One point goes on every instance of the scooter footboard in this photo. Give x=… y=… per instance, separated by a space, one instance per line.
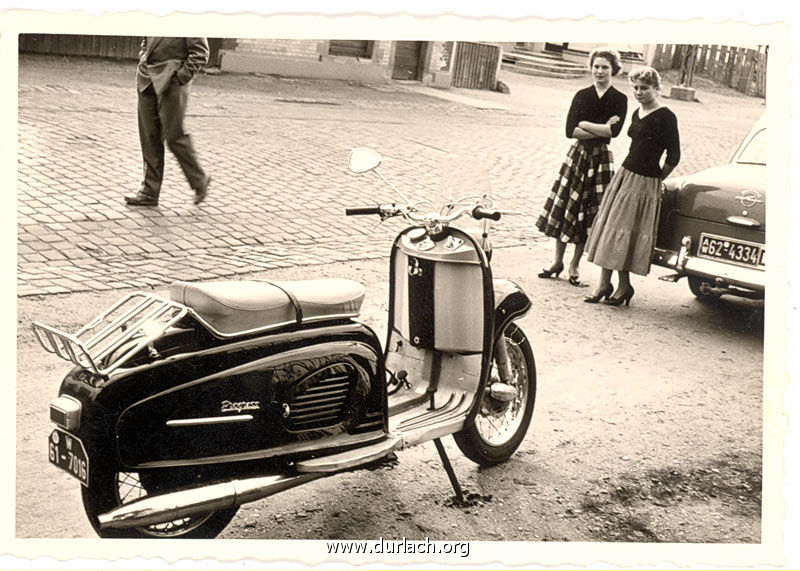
x=133 y=321
x=436 y=392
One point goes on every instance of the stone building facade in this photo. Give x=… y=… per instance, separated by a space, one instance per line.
x=364 y=61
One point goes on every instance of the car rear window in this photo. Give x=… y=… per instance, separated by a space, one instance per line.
x=755 y=152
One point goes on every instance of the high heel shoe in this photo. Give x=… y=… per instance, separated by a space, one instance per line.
x=547 y=273
x=605 y=293
x=575 y=281
x=624 y=298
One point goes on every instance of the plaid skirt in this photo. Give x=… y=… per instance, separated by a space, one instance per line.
x=576 y=194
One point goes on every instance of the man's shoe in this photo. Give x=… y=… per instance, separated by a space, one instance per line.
x=201 y=193
x=141 y=199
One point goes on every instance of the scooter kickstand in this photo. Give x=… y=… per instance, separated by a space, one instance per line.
x=449 y=469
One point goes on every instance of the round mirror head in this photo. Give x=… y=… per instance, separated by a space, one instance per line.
x=363 y=160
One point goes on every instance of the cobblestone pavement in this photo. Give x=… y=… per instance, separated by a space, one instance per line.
x=277 y=150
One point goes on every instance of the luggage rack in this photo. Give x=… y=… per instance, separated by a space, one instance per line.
x=135 y=320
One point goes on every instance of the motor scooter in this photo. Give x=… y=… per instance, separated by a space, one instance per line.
x=180 y=410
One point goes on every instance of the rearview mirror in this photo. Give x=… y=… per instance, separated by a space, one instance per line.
x=363 y=160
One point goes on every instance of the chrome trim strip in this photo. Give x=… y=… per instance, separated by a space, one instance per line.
x=237 y=345
x=210 y=420
x=292 y=448
x=747 y=277
x=739 y=275
x=742 y=221
x=271 y=327
x=350 y=458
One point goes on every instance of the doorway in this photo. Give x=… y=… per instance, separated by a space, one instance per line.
x=407 y=59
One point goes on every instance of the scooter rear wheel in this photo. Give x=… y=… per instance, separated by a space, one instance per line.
x=499 y=427
x=109 y=489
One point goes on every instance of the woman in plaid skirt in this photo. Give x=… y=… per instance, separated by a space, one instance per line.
x=597 y=113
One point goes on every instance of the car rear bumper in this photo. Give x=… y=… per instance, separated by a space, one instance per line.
x=717 y=273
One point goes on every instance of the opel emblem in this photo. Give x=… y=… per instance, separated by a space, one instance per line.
x=749 y=198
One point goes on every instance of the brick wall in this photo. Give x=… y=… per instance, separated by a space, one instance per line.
x=294 y=49
x=308 y=50
x=441 y=56
x=382 y=52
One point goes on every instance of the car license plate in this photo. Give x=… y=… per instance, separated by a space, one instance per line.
x=67 y=452
x=734 y=251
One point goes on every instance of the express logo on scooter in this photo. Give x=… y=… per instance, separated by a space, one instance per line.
x=228 y=406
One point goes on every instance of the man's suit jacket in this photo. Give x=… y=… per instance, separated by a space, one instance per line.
x=162 y=58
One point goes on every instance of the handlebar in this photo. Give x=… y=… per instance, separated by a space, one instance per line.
x=362 y=210
x=409 y=211
x=479 y=213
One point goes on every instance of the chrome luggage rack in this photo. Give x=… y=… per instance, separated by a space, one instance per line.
x=135 y=320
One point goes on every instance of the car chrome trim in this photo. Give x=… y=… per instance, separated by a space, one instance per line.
x=683 y=255
x=210 y=420
x=749 y=198
x=746 y=277
x=742 y=221
x=752 y=278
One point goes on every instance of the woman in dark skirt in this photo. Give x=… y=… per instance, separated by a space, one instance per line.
x=623 y=234
x=597 y=113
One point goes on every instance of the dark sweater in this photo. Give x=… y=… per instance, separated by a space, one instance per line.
x=586 y=106
x=650 y=137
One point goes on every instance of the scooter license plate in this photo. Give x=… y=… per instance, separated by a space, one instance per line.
x=67 y=452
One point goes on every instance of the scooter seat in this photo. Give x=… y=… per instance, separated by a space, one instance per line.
x=237 y=307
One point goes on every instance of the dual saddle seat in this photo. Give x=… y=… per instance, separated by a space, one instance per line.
x=232 y=308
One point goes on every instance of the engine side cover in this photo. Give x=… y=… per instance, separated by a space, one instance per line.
x=275 y=406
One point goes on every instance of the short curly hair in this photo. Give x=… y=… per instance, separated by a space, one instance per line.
x=646 y=75
x=612 y=56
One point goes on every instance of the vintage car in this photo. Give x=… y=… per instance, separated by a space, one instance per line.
x=711 y=226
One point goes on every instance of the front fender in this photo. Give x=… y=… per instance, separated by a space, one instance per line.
x=510 y=303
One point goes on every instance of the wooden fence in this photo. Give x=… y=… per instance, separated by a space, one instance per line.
x=476 y=65
x=117 y=47
x=743 y=69
x=120 y=47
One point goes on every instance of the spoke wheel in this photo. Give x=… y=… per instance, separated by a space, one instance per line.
x=500 y=424
x=109 y=489
x=130 y=488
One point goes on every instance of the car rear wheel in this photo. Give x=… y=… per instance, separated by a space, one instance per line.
x=696 y=285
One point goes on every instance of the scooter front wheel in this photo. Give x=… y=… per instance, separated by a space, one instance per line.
x=500 y=425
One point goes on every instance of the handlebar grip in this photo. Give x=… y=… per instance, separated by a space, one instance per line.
x=362 y=210
x=478 y=213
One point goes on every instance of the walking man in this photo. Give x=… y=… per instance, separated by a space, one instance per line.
x=166 y=68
